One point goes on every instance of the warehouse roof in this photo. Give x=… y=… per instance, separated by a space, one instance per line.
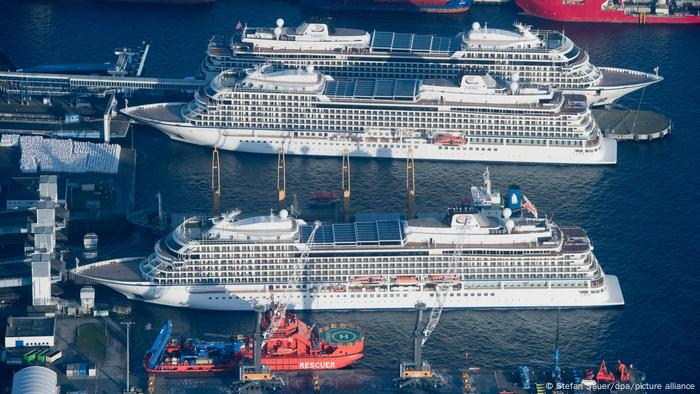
x=35 y=326
x=35 y=380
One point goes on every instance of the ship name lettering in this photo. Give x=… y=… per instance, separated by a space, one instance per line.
x=317 y=365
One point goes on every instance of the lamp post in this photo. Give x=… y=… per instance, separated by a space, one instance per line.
x=128 y=331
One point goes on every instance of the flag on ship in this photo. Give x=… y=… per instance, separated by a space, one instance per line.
x=529 y=206
x=239 y=25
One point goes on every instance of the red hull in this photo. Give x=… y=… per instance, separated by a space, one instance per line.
x=192 y=368
x=592 y=11
x=310 y=363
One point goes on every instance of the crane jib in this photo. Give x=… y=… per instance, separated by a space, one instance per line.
x=436 y=312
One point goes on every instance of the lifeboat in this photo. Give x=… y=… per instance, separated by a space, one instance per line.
x=603 y=376
x=322 y=199
x=449 y=140
x=406 y=280
x=368 y=280
x=323 y=196
x=443 y=278
x=623 y=372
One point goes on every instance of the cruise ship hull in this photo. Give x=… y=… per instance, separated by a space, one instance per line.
x=244 y=297
x=270 y=142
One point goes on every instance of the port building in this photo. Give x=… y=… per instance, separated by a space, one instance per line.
x=30 y=331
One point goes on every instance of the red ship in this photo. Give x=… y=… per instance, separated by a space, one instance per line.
x=432 y=6
x=296 y=346
x=610 y=11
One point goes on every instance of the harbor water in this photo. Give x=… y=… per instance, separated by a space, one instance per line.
x=640 y=213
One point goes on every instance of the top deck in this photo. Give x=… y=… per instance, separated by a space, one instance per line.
x=156 y=112
x=380 y=232
x=340 y=335
x=126 y=270
x=622 y=77
x=407 y=42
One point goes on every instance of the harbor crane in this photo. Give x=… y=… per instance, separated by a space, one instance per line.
x=440 y=295
x=279 y=308
x=258 y=376
x=418 y=372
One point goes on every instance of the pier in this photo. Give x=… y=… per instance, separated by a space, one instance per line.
x=87 y=85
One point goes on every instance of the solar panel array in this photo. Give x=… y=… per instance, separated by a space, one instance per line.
x=408 y=42
x=380 y=232
x=388 y=89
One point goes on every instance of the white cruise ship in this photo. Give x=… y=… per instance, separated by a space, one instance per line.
x=305 y=112
x=484 y=254
x=541 y=57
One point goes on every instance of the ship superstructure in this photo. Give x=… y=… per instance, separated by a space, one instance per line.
x=475 y=117
x=510 y=259
x=537 y=56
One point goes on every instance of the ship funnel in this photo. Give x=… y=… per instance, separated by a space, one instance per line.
x=513 y=198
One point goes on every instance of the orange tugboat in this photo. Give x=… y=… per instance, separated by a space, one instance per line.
x=296 y=346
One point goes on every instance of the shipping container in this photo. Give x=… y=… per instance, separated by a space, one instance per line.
x=41 y=356
x=51 y=358
x=31 y=356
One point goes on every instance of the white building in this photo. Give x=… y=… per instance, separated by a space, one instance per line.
x=30 y=331
x=41 y=279
x=48 y=187
x=87 y=299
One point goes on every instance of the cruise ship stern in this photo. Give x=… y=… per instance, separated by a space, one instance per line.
x=614 y=291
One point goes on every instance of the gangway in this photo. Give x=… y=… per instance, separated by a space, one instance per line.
x=124 y=56
x=160 y=344
x=144 y=52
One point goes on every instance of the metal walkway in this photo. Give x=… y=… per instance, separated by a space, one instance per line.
x=64 y=84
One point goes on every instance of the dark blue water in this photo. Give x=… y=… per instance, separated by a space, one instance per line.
x=641 y=214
